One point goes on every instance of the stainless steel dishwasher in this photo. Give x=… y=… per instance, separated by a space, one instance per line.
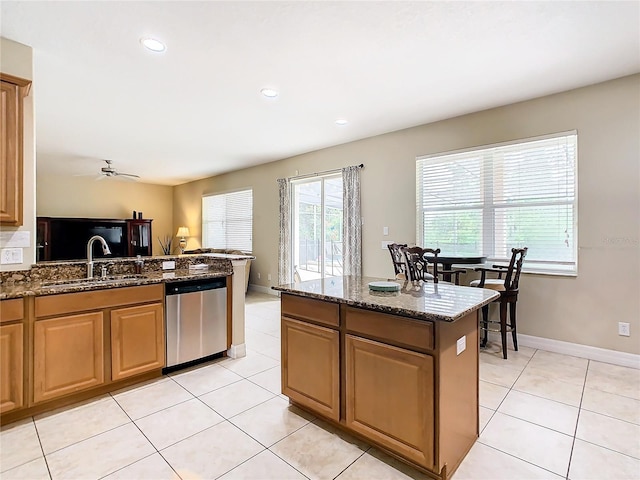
x=196 y=321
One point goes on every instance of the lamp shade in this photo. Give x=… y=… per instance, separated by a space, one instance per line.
x=183 y=232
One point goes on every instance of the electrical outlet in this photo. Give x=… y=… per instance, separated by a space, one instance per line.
x=258 y=275
x=461 y=345
x=623 y=329
x=269 y=276
x=10 y=256
x=169 y=265
x=385 y=243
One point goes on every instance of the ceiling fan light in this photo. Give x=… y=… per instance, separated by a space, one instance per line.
x=269 y=92
x=109 y=171
x=153 y=44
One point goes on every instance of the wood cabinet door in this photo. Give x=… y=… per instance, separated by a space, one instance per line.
x=10 y=158
x=390 y=397
x=68 y=355
x=137 y=340
x=311 y=366
x=11 y=367
x=12 y=91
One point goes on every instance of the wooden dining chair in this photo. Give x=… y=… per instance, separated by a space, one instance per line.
x=422 y=264
x=419 y=267
x=397 y=257
x=507 y=283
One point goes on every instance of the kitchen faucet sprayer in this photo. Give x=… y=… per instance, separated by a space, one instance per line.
x=105 y=250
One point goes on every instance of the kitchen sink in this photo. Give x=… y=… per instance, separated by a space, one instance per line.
x=91 y=281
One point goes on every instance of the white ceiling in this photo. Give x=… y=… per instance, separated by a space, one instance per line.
x=196 y=110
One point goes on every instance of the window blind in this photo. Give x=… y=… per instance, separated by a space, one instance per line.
x=491 y=199
x=227 y=221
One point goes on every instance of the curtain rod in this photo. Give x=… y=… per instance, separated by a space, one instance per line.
x=326 y=172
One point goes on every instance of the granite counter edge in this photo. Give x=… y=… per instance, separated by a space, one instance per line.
x=29 y=291
x=386 y=309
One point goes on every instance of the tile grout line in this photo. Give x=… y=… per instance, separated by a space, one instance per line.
x=533 y=394
x=512 y=385
x=297 y=430
x=46 y=462
x=348 y=466
x=575 y=432
x=521 y=459
x=72 y=407
x=148 y=440
x=496 y=411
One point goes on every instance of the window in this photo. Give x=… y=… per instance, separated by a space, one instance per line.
x=490 y=199
x=227 y=221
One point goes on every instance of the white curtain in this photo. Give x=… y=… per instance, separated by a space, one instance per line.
x=284 y=252
x=352 y=223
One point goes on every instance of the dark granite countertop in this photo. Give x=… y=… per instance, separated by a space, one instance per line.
x=53 y=278
x=425 y=301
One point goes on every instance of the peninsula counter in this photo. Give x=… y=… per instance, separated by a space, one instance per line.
x=399 y=369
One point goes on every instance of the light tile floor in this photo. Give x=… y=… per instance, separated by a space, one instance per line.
x=543 y=416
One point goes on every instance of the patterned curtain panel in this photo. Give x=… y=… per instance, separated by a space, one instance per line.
x=352 y=223
x=284 y=252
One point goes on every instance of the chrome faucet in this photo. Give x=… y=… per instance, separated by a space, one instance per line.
x=105 y=250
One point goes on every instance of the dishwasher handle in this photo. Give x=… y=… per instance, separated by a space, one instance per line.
x=189 y=286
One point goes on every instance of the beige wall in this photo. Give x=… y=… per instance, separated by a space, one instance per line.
x=17 y=59
x=583 y=309
x=68 y=196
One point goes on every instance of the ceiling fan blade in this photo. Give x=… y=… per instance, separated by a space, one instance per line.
x=126 y=177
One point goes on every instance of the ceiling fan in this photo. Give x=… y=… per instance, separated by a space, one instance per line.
x=109 y=171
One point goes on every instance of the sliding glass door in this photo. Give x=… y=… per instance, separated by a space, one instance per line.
x=317 y=227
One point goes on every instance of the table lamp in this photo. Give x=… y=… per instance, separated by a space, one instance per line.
x=182 y=232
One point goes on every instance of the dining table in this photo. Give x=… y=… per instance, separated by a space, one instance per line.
x=448 y=261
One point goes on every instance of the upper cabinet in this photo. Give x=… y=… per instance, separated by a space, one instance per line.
x=139 y=237
x=13 y=90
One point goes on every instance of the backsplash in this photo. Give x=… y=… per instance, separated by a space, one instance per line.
x=116 y=266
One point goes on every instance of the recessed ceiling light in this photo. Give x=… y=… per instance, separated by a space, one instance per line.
x=269 y=92
x=341 y=121
x=153 y=44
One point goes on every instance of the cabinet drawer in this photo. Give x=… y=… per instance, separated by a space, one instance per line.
x=97 y=299
x=319 y=311
x=11 y=310
x=390 y=328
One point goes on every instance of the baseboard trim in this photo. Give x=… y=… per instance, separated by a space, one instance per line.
x=577 y=350
x=262 y=289
x=237 y=351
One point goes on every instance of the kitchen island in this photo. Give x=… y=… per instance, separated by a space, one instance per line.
x=398 y=369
